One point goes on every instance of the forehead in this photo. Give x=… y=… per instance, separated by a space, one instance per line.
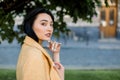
x=44 y=16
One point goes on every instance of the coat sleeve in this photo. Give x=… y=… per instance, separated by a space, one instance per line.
x=33 y=68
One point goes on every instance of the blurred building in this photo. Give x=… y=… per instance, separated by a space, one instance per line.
x=105 y=25
x=109 y=19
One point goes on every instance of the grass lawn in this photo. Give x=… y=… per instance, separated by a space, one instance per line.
x=114 y=74
x=7 y=74
x=92 y=74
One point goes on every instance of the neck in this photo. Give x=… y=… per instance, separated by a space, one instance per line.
x=40 y=42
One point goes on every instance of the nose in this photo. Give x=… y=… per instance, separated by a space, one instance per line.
x=50 y=28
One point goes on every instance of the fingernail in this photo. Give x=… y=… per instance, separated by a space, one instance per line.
x=49 y=40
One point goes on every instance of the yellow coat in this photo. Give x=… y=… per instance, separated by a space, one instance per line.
x=34 y=63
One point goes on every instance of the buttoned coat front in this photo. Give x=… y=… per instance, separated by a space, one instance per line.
x=34 y=63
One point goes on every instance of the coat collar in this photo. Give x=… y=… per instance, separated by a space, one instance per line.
x=29 y=41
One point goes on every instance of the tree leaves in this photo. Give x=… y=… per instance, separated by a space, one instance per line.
x=76 y=9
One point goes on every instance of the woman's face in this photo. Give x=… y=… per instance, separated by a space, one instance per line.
x=43 y=26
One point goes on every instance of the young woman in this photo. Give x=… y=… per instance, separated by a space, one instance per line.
x=34 y=62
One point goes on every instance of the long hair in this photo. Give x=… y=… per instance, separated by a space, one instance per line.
x=29 y=20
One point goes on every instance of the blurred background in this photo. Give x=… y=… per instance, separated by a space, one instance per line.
x=89 y=45
x=92 y=42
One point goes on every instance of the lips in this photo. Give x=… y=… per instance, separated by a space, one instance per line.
x=48 y=34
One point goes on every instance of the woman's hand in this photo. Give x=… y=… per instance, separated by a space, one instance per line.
x=55 y=49
x=60 y=69
x=54 y=46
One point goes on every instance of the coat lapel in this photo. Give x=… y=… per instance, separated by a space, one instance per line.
x=29 y=41
x=53 y=74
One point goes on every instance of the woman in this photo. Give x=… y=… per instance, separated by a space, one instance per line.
x=34 y=62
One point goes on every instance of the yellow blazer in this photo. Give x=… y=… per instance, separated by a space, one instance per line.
x=34 y=63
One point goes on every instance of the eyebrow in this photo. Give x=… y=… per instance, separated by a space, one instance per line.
x=45 y=20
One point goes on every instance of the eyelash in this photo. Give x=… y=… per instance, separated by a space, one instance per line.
x=44 y=24
x=51 y=25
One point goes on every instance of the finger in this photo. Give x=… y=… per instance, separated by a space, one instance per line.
x=59 y=65
x=50 y=44
x=53 y=46
x=56 y=68
x=59 y=44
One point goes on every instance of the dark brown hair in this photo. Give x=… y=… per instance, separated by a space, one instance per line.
x=29 y=20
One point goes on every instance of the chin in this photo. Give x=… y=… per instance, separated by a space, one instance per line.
x=47 y=39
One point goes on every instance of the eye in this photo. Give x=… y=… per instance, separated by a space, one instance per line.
x=51 y=25
x=43 y=24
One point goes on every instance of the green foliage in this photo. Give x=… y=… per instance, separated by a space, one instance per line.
x=76 y=9
x=9 y=74
x=92 y=75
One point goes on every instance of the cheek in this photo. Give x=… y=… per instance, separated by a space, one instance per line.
x=52 y=30
x=37 y=29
